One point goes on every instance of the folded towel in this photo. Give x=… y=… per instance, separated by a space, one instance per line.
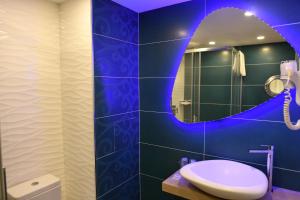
x=242 y=64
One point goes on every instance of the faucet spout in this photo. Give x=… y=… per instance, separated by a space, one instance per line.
x=259 y=151
x=270 y=158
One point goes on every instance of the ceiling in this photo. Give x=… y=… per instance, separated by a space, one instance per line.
x=146 y=5
x=230 y=27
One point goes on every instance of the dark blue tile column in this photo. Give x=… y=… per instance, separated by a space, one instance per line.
x=115 y=41
x=164 y=34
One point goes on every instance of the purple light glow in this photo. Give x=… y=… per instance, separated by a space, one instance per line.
x=269 y=110
x=142 y=6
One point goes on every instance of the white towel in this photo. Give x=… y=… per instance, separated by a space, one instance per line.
x=242 y=64
x=236 y=63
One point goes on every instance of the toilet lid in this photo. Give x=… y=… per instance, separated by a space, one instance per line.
x=33 y=187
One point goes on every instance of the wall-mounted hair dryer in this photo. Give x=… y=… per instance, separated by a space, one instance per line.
x=291 y=77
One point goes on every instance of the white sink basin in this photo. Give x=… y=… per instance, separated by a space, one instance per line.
x=226 y=179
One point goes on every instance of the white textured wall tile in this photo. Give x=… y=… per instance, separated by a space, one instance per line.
x=77 y=86
x=30 y=89
x=46 y=93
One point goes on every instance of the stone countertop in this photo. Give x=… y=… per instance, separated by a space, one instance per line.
x=178 y=186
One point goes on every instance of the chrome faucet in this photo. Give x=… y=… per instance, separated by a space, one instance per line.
x=270 y=154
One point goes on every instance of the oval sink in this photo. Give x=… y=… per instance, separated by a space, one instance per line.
x=226 y=179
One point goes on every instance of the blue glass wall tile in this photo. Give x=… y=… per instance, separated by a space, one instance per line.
x=233 y=138
x=158 y=59
x=115 y=133
x=153 y=94
x=286 y=179
x=162 y=162
x=115 y=96
x=272 y=110
x=112 y=20
x=115 y=58
x=151 y=189
x=127 y=191
x=173 y=22
x=115 y=42
x=160 y=129
x=116 y=168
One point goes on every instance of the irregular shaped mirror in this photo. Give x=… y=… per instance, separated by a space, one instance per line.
x=227 y=66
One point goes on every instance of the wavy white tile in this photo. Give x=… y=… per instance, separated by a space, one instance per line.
x=77 y=93
x=30 y=88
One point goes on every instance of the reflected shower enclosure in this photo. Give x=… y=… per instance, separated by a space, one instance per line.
x=190 y=103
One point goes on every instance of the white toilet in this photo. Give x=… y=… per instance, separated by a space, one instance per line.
x=43 y=188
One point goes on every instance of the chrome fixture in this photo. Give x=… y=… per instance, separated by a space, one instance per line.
x=183 y=161
x=175 y=109
x=274 y=85
x=270 y=154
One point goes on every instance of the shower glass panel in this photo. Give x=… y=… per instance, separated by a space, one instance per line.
x=201 y=79
x=188 y=87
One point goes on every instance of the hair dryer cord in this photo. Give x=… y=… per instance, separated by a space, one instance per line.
x=286 y=111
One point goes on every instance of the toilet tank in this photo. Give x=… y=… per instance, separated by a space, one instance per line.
x=42 y=188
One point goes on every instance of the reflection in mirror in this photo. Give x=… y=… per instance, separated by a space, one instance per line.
x=227 y=66
x=274 y=86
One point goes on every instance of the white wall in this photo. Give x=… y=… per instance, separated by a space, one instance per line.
x=77 y=85
x=40 y=137
x=30 y=89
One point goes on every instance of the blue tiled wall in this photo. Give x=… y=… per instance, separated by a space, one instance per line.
x=134 y=79
x=115 y=41
x=164 y=139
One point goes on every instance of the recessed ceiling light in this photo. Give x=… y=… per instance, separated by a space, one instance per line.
x=212 y=43
x=260 y=37
x=248 y=14
x=182 y=33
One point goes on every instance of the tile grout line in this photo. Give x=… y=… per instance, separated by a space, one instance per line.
x=255 y=64
x=118 y=151
x=220 y=157
x=139 y=92
x=165 y=41
x=116 y=39
x=225 y=158
x=226 y=66
x=119 y=77
x=121 y=184
x=157 y=112
x=282 y=25
x=171 y=148
x=235 y=118
x=118 y=114
x=258 y=120
x=222 y=104
x=258 y=85
x=154 y=177
x=157 y=77
x=136 y=77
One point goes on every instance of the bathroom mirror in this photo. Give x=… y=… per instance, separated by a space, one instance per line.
x=231 y=64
